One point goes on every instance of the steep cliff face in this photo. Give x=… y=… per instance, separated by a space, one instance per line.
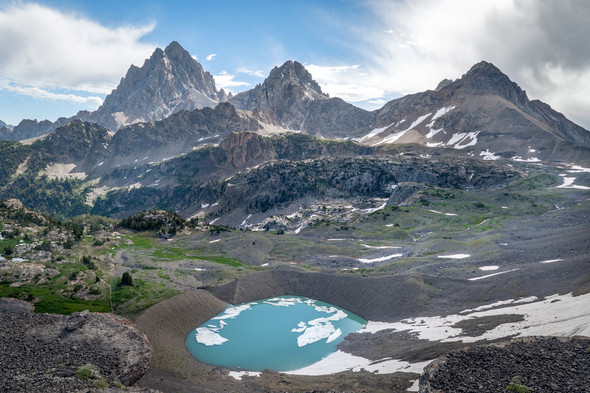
x=169 y=81
x=242 y=149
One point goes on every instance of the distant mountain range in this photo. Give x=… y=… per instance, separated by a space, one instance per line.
x=483 y=113
x=166 y=137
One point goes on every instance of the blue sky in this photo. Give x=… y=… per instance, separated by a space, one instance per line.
x=57 y=57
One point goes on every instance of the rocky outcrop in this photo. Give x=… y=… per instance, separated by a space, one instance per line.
x=243 y=149
x=405 y=193
x=42 y=352
x=169 y=81
x=78 y=141
x=542 y=364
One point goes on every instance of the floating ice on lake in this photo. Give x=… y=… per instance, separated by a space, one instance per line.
x=233 y=311
x=209 y=337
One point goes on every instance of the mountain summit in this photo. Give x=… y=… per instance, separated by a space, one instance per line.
x=169 y=81
x=290 y=98
x=284 y=96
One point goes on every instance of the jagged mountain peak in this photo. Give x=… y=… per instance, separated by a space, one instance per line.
x=294 y=72
x=170 y=80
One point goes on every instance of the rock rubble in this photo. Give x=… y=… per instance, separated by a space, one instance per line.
x=541 y=364
x=42 y=352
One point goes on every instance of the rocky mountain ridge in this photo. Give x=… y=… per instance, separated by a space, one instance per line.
x=482 y=114
x=169 y=81
x=290 y=98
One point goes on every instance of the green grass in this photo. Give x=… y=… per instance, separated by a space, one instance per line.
x=130 y=301
x=178 y=254
x=51 y=301
x=8 y=243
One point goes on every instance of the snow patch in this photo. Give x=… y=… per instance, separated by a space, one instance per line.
x=341 y=361
x=552 y=260
x=462 y=140
x=394 y=137
x=499 y=304
x=520 y=159
x=446 y=214
x=246 y=219
x=488 y=155
x=415 y=386
x=490 y=267
x=381 y=259
x=373 y=210
x=380 y=247
x=442 y=111
x=239 y=374
x=578 y=169
x=374 y=132
x=568 y=182
x=454 y=256
x=491 y=275
x=557 y=315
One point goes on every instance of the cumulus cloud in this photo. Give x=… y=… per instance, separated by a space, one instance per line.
x=346 y=81
x=211 y=56
x=37 y=92
x=247 y=71
x=43 y=48
x=541 y=45
x=226 y=81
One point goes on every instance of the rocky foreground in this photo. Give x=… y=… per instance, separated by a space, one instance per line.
x=57 y=353
x=538 y=364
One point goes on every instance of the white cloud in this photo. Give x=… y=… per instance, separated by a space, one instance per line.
x=43 y=48
x=211 y=56
x=226 y=81
x=348 y=82
x=247 y=71
x=414 y=44
x=37 y=92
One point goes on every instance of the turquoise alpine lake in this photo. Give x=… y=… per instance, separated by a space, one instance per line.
x=284 y=333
